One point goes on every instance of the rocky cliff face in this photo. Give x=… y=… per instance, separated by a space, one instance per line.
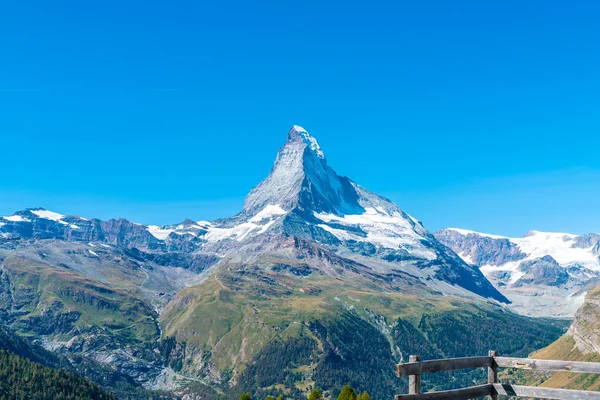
x=542 y=273
x=585 y=329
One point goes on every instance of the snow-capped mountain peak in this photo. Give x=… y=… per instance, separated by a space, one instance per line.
x=301 y=178
x=299 y=132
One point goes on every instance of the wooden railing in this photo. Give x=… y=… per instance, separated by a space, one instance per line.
x=414 y=368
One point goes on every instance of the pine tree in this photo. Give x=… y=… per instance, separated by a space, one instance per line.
x=316 y=394
x=347 y=393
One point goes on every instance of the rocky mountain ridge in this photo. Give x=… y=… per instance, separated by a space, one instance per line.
x=302 y=197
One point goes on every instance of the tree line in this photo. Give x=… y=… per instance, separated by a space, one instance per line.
x=21 y=378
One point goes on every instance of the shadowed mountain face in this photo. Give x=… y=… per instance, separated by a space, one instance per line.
x=314 y=272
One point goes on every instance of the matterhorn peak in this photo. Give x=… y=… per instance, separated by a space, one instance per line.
x=298 y=133
x=301 y=178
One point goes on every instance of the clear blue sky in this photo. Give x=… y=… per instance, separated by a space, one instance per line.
x=481 y=115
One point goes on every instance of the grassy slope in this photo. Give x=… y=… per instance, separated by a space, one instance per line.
x=45 y=291
x=234 y=318
x=565 y=349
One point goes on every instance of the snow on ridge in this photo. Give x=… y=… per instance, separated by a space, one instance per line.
x=158 y=232
x=531 y=233
x=271 y=210
x=537 y=244
x=72 y=226
x=162 y=232
x=51 y=215
x=466 y=232
x=299 y=129
x=256 y=225
x=44 y=214
x=550 y=234
x=382 y=229
x=309 y=140
x=558 y=246
x=195 y=226
x=16 y=218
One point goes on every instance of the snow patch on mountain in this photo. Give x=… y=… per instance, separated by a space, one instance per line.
x=270 y=211
x=256 y=225
x=559 y=246
x=16 y=218
x=159 y=232
x=468 y=232
x=382 y=229
x=51 y=215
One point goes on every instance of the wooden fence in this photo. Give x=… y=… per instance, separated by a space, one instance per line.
x=414 y=368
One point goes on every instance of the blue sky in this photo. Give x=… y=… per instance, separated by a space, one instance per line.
x=481 y=115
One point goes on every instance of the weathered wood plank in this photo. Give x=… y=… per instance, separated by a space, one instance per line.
x=448 y=364
x=493 y=373
x=414 y=381
x=544 y=393
x=547 y=365
x=457 y=394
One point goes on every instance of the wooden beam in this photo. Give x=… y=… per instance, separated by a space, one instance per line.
x=493 y=373
x=414 y=381
x=448 y=364
x=457 y=394
x=544 y=393
x=547 y=365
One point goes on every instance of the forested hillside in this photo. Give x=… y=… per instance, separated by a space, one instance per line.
x=21 y=378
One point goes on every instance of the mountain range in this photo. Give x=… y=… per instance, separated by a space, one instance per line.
x=316 y=282
x=542 y=273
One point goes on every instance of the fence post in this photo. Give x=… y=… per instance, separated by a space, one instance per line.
x=414 y=381
x=493 y=373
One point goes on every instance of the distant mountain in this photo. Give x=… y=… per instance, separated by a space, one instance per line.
x=542 y=273
x=317 y=281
